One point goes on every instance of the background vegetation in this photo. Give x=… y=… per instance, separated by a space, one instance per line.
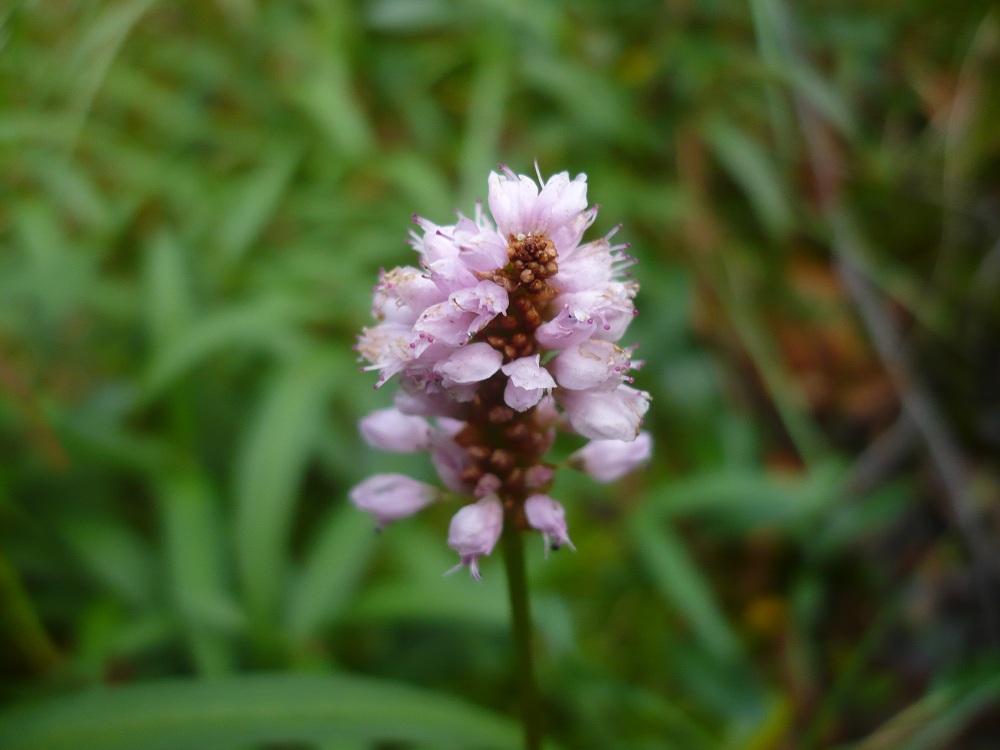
x=196 y=199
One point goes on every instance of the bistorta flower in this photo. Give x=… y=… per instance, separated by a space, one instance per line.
x=505 y=331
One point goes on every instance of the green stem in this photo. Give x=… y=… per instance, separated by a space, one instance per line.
x=517 y=589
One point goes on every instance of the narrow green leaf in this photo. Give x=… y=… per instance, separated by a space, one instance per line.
x=114 y=555
x=168 y=289
x=332 y=570
x=194 y=545
x=821 y=95
x=749 y=165
x=750 y=498
x=97 y=49
x=490 y=87
x=281 y=438
x=677 y=577
x=261 y=324
x=255 y=202
x=449 y=601
x=326 y=96
x=253 y=709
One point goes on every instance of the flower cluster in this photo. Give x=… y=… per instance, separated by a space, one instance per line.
x=504 y=333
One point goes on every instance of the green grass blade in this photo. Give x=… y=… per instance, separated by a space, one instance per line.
x=331 y=571
x=253 y=709
x=264 y=324
x=194 y=545
x=750 y=166
x=280 y=440
x=682 y=585
x=255 y=201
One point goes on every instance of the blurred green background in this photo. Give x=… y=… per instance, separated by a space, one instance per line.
x=196 y=200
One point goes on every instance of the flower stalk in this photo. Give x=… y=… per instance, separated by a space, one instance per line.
x=520 y=612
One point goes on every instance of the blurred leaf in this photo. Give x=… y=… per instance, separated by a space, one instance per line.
x=280 y=439
x=194 y=551
x=97 y=49
x=682 y=585
x=821 y=95
x=484 y=123
x=262 y=324
x=326 y=96
x=939 y=717
x=485 y=606
x=337 y=559
x=412 y=15
x=253 y=709
x=749 y=165
x=749 y=498
x=168 y=289
x=112 y=553
x=255 y=201
x=73 y=189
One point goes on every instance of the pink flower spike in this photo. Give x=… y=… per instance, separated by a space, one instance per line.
x=607 y=460
x=474 y=531
x=391 y=430
x=390 y=497
x=548 y=516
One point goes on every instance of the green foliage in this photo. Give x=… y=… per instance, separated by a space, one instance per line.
x=196 y=200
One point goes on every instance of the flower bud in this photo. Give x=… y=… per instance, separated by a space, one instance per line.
x=547 y=516
x=607 y=460
x=391 y=430
x=606 y=416
x=474 y=531
x=390 y=497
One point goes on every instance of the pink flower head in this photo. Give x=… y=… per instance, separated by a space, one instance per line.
x=390 y=497
x=474 y=531
x=504 y=330
x=549 y=517
x=607 y=460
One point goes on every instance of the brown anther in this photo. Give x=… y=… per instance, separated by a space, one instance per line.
x=502 y=460
x=520 y=340
x=515 y=479
x=497 y=342
x=509 y=352
x=508 y=322
x=500 y=414
x=517 y=432
x=471 y=474
x=526 y=276
x=478 y=452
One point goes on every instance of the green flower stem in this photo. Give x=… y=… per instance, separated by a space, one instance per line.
x=517 y=589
